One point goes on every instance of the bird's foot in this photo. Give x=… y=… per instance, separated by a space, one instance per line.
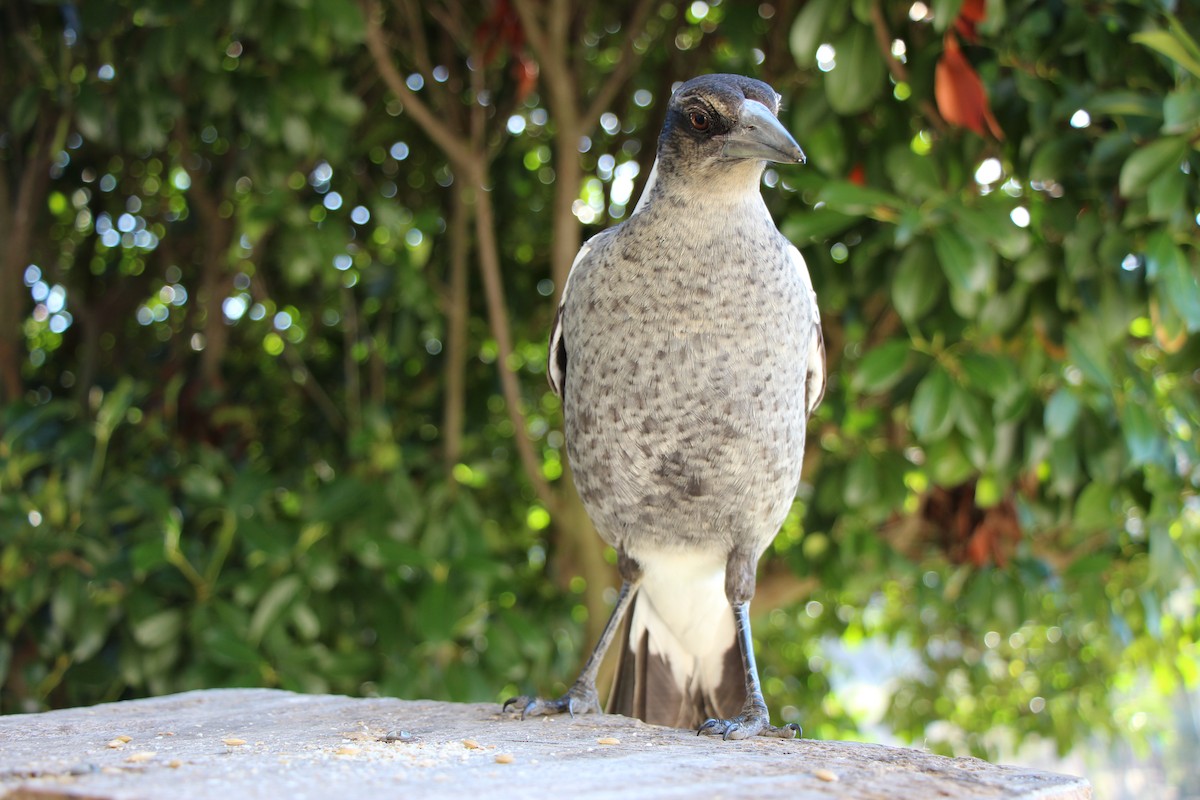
x=753 y=721
x=579 y=699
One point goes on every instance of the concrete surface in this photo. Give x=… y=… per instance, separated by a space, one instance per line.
x=227 y=744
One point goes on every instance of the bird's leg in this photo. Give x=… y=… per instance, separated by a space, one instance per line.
x=754 y=720
x=582 y=696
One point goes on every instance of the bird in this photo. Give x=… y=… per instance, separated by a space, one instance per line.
x=688 y=355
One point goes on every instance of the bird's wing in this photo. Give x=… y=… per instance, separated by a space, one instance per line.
x=814 y=382
x=556 y=366
x=650 y=181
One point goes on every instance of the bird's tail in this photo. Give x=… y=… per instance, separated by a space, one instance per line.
x=679 y=663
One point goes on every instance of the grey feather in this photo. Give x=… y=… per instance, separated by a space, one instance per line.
x=688 y=352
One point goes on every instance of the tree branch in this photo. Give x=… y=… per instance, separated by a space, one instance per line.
x=628 y=60
x=262 y=293
x=455 y=149
x=557 y=31
x=450 y=24
x=456 y=312
x=493 y=287
x=417 y=37
x=533 y=32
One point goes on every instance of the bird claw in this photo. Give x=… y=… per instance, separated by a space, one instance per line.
x=583 y=699
x=749 y=723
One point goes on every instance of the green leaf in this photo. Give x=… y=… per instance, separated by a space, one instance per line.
x=1065 y=472
x=854 y=199
x=1057 y=158
x=1141 y=434
x=1062 y=412
x=1168 y=266
x=346 y=22
x=198 y=483
x=1172 y=46
x=23 y=111
x=296 y=134
x=1002 y=312
x=1089 y=565
x=1036 y=266
x=1167 y=564
x=1079 y=248
x=1086 y=350
x=158 y=629
x=810 y=29
x=1167 y=195
x=858 y=78
x=271 y=605
x=969 y=264
x=816 y=225
x=224 y=646
x=918 y=282
x=1124 y=104
x=1181 y=111
x=991 y=374
x=930 y=411
x=882 y=367
x=862 y=484
x=945 y=12
x=948 y=465
x=912 y=174
x=1148 y=162
x=92 y=114
x=970 y=416
x=1094 y=508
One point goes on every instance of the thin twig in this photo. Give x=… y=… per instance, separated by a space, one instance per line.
x=461 y=157
x=626 y=63
x=883 y=37
x=533 y=31
x=332 y=414
x=416 y=35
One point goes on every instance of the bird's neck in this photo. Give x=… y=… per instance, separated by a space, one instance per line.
x=720 y=188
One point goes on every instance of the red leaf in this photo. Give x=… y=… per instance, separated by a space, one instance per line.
x=857 y=175
x=525 y=72
x=961 y=98
x=502 y=30
x=970 y=14
x=978 y=548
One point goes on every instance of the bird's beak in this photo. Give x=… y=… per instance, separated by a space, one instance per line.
x=759 y=135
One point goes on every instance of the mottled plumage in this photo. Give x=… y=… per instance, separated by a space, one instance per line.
x=688 y=353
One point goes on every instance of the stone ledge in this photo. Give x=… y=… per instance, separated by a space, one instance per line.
x=224 y=744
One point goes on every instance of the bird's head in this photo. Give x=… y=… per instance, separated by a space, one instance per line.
x=724 y=122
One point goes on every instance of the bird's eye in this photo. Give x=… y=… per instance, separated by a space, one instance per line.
x=699 y=120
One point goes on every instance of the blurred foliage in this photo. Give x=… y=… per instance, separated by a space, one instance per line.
x=228 y=456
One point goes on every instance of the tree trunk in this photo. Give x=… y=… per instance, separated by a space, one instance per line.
x=457 y=316
x=11 y=287
x=18 y=213
x=581 y=552
x=568 y=177
x=214 y=286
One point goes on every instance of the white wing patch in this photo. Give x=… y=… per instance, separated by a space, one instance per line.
x=815 y=380
x=556 y=362
x=650 y=181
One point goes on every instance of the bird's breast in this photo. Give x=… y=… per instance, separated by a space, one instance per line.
x=685 y=386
